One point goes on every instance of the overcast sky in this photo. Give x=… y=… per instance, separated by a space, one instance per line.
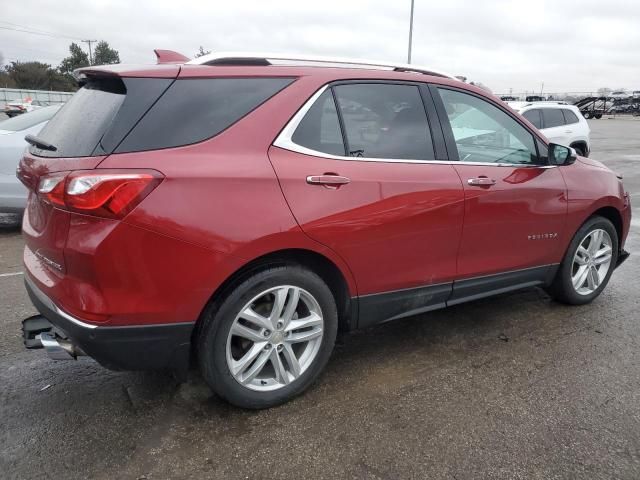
x=571 y=45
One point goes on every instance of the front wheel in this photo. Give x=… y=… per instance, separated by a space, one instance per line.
x=588 y=263
x=270 y=338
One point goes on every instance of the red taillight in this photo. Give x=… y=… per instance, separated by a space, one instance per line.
x=103 y=193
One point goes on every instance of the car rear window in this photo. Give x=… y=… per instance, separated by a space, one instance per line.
x=192 y=110
x=569 y=116
x=534 y=117
x=99 y=115
x=552 y=117
x=120 y=115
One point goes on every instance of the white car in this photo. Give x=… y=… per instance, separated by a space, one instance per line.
x=18 y=107
x=619 y=94
x=13 y=195
x=560 y=122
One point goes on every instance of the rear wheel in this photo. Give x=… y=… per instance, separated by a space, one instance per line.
x=270 y=338
x=588 y=263
x=598 y=116
x=587 y=115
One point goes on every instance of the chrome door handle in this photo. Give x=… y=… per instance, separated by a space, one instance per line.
x=481 y=181
x=327 y=180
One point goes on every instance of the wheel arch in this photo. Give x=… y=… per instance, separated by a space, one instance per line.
x=318 y=263
x=614 y=216
x=582 y=144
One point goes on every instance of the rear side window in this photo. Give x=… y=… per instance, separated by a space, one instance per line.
x=534 y=117
x=569 y=116
x=319 y=130
x=552 y=117
x=192 y=110
x=384 y=121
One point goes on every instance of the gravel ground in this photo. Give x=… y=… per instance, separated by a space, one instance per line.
x=515 y=386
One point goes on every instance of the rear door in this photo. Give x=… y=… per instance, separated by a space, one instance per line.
x=554 y=126
x=515 y=205
x=362 y=179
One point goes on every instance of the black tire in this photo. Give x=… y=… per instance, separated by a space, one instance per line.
x=587 y=115
x=219 y=319
x=579 y=150
x=562 y=288
x=598 y=116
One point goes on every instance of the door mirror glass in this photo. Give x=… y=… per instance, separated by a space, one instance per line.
x=561 y=155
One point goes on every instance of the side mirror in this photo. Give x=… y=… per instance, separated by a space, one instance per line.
x=561 y=155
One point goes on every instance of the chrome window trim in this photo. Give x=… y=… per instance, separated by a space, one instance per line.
x=284 y=140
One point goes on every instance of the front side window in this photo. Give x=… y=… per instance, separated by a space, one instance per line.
x=534 y=117
x=569 y=116
x=384 y=121
x=484 y=133
x=552 y=117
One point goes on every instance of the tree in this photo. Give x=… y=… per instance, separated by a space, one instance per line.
x=37 y=76
x=105 y=55
x=202 y=52
x=604 y=92
x=77 y=59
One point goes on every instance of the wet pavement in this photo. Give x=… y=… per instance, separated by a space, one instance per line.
x=515 y=386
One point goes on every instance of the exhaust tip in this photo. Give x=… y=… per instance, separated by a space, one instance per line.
x=59 y=350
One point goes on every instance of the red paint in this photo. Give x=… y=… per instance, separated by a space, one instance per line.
x=231 y=199
x=500 y=218
x=397 y=225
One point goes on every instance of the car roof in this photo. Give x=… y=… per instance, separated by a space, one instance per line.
x=542 y=104
x=258 y=64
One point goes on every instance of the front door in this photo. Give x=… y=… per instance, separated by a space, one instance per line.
x=361 y=180
x=516 y=205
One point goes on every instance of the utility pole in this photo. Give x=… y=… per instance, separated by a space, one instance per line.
x=89 y=42
x=410 y=33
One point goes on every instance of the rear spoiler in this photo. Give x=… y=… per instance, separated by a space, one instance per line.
x=169 y=56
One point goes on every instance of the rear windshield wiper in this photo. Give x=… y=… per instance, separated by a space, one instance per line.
x=37 y=142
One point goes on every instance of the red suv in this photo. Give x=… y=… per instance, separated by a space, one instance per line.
x=241 y=210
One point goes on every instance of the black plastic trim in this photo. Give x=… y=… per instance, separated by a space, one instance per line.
x=437 y=136
x=622 y=256
x=144 y=347
x=480 y=287
x=384 y=307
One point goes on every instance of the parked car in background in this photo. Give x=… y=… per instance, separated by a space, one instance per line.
x=560 y=122
x=241 y=209
x=19 y=107
x=619 y=94
x=13 y=194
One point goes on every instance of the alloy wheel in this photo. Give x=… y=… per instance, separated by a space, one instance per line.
x=591 y=262
x=275 y=338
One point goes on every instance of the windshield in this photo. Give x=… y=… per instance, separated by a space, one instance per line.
x=28 y=120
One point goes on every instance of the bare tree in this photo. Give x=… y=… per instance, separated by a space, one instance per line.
x=604 y=91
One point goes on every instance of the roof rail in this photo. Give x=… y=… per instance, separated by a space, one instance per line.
x=252 y=58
